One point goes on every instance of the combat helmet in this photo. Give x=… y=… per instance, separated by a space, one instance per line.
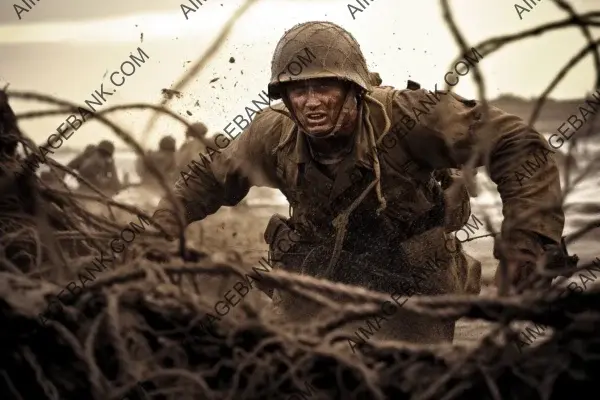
x=106 y=146
x=167 y=143
x=317 y=49
x=197 y=130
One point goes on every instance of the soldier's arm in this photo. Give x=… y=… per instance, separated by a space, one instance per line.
x=224 y=175
x=90 y=166
x=446 y=136
x=75 y=163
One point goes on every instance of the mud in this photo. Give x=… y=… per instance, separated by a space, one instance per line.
x=183 y=320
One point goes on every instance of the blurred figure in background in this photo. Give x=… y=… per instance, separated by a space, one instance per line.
x=195 y=144
x=163 y=159
x=97 y=165
x=76 y=162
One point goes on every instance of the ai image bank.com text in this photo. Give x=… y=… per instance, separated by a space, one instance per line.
x=72 y=123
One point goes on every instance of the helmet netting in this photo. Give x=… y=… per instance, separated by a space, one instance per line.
x=338 y=55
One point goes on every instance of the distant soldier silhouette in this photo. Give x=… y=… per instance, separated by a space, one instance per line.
x=163 y=159
x=97 y=165
x=194 y=145
x=76 y=162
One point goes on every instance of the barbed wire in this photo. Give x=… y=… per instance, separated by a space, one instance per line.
x=145 y=321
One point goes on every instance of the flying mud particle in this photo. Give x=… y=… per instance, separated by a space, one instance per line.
x=168 y=93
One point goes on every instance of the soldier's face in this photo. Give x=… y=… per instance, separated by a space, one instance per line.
x=317 y=103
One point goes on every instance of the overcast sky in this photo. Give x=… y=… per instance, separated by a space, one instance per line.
x=67 y=48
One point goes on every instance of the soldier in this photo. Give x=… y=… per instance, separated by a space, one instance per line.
x=163 y=159
x=194 y=145
x=98 y=167
x=357 y=164
x=76 y=162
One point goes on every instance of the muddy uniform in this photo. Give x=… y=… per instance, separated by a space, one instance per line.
x=407 y=247
x=456 y=194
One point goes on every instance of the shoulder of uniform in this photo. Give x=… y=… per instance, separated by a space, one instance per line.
x=270 y=117
x=381 y=93
x=422 y=93
x=410 y=95
x=269 y=124
x=437 y=93
x=415 y=86
x=465 y=101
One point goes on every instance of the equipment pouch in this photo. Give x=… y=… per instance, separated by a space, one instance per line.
x=276 y=223
x=280 y=238
x=559 y=260
x=456 y=200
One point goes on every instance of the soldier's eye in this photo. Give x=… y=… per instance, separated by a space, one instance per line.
x=297 y=91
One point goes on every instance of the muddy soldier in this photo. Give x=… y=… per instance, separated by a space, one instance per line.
x=321 y=148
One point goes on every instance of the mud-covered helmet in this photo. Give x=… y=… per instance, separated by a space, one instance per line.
x=197 y=130
x=317 y=49
x=167 y=143
x=106 y=146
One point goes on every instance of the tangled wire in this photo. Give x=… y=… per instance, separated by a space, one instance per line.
x=140 y=329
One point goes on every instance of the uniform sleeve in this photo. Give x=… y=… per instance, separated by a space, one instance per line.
x=447 y=132
x=90 y=166
x=76 y=162
x=225 y=173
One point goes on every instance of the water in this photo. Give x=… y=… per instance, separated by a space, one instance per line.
x=126 y=165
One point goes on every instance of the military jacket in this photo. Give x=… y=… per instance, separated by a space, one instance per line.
x=429 y=131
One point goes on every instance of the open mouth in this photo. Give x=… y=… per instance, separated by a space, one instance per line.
x=316 y=118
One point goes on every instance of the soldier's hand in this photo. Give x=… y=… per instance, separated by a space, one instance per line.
x=519 y=272
x=518 y=256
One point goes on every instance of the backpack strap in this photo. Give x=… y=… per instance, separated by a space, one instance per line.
x=384 y=95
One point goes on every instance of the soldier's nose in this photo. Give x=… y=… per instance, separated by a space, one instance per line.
x=312 y=100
